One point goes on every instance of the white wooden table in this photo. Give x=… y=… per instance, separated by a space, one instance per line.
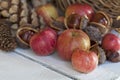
x=25 y=65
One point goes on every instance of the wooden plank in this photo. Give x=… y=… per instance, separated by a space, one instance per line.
x=53 y=62
x=16 y=67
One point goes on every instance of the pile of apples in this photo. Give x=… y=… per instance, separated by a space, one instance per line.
x=71 y=44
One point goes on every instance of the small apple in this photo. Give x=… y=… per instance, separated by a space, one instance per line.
x=44 y=42
x=48 y=12
x=84 y=61
x=111 y=42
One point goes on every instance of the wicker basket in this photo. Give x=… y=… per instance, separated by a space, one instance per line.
x=112 y=7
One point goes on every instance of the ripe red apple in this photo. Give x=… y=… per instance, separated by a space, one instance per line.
x=48 y=12
x=69 y=40
x=81 y=9
x=44 y=42
x=111 y=42
x=84 y=61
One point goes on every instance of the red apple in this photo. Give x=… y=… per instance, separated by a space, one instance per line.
x=111 y=42
x=71 y=39
x=81 y=9
x=47 y=12
x=44 y=42
x=84 y=61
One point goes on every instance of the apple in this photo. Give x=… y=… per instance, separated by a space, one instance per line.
x=111 y=42
x=84 y=61
x=48 y=12
x=44 y=42
x=69 y=40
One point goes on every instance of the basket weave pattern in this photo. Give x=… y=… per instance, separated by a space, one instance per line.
x=112 y=7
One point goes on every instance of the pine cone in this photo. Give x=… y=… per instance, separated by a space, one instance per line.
x=7 y=42
x=37 y=3
x=20 y=12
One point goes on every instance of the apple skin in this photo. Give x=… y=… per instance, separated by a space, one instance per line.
x=81 y=9
x=69 y=40
x=111 y=42
x=48 y=12
x=44 y=42
x=84 y=61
